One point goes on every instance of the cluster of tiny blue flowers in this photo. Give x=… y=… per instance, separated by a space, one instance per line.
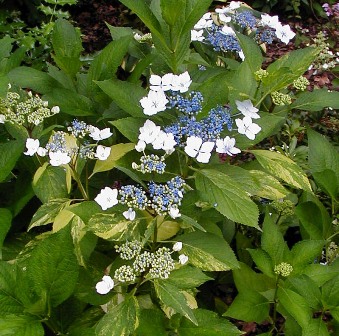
x=133 y=197
x=165 y=196
x=265 y=35
x=245 y=19
x=190 y=105
x=208 y=128
x=221 y=41
x=78 y=128
x=57 y=142
x=151 y=163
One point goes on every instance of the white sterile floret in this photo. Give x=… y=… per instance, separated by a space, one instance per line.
x=204 y=22
x=177 y=246
x=97 y=134
x=154 y=102
x=174 y=212
x=55 y=109
x=284 y=33
x=129 y=214
x=198 y=149
x=181 y=82
x=163 y=83
x=41 y=151
x=183 y=258
x=241 y=55
x=164 y=141
x=270 y=21
x=227 y=30
x=247 y=109
x=149 y=132
x=104 y=286
x=246 y=127
x=197 y=35
x=59 y=158
x=102 y=152
x=2 y=118
x=227 y=146
x=140 y=146
x=107 y=198
x=32 y=146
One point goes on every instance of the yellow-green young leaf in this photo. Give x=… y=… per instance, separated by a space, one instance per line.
x=48 y=212
x=50 y=183
x=295 y=305
x=62 y=219
x=53 y=267
x=249 y=306
x=269 y=187
x=208 y=251
x=284 y=168
x=209 y=324
x=21 y=325
x=170 y=296
x=121 y=320
x=5 y=224
x=227 y=197
x=117 y=152
x=166 y=229
x=315 y=327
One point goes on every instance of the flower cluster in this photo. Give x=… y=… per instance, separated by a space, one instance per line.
x=27 y=110
x=158 y=264
x=150 y=163
x=62 y=147
x=301 y=83
x=283 y=269
x=163 y=198
x=219 y=28
x=280 y=98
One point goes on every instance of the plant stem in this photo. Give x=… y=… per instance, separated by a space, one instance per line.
x=275 y=302
x=80 y=186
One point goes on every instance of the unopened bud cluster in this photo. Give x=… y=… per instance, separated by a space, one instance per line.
x=332 y=251
x=129 y=250
x=25 y=110
x=281 y=98
x=151 y=163
x=260 y=74
x=301 y=83
x=283 y=269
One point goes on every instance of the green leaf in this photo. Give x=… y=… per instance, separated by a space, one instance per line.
x=5 y=225
x=50 y=183
x=272 y=241
x=330 y=293
x=230 y=200
x=151 y=322
x=209 y=324
x=48 y=211
x=9 y=154
x=295 y=305
x=70 y=102
x=121 y=320
x=129 y=127
x=105 y=65
x=315 y=327
x=126 y=95
x=117 y=152
x=5 y=47
x=320 y=273
x=283 y=167
x=53 y=267
x=27 y=77
x=170 y=296
x=316 y=100
x=263 y=261
x=252 y=52
x=208 y=251
x=249 y=306
x=67 y=46
x=21 y=325
x=328 y=182
x=188 y=277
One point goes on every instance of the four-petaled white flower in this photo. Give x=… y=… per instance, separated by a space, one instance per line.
x=32 y=146
x=198 y=149
x=163 y=83
x=226 y=146
x=129 y=214
x=245 y=126
x=102 y=152
x=154 y=102
x=140 y=146
x=107 y=198
x=177 y=246
x=59 y=158
x=204 y=22
x=149 y=132
x=284 y=33
x=164 y=141
x=2 y=118
x=224 y=18
x=247 y=109
x=97 y=134
x=197 y=35
x=270 y=21
x=183 y=258
x=104 y=286
x=227 y=31
x=174 y=212
x=181 y=82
